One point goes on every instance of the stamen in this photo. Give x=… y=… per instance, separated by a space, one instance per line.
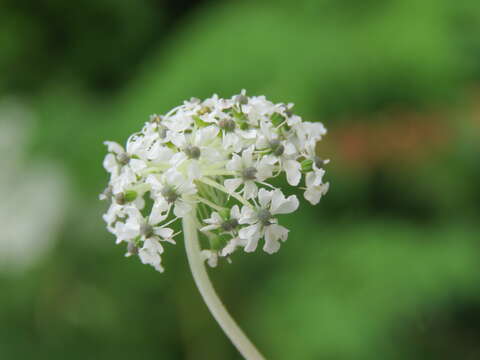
x=192 y=152
x=146 y=230
x=230 y=224
x=264 y=217
x=123 y=158
x=277 y=147
x=227 y=124
x=169 y=193
x=249 y=173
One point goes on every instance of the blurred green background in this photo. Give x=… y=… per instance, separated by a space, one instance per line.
x=385 y=267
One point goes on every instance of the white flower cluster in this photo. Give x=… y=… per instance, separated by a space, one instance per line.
x=214 y=156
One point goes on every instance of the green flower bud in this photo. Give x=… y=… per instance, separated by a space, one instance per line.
x=130 y=195
x=307 y=165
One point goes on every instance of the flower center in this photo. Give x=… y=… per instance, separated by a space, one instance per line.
x=162 y=132
x=249 y=173
x=264 y=217
x=192 y=152
x=155 y=118
x=319 y=162
x=229 y=225
x=146 y=230
x=169 y=193
x=241 y=99
x=277 y=147
x=227 y=124
x=120 y=198
x=123 y=158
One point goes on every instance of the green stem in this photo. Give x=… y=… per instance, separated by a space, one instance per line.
x=204 y=285
x=222 y=188
x=209 y=203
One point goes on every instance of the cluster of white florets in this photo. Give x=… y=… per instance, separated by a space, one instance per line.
x=214 y=157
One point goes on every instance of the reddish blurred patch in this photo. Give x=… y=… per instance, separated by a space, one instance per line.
x=395 y=138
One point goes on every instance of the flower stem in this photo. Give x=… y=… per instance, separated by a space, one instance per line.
x=204 y=285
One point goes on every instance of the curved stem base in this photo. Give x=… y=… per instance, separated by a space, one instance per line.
x=204 y=285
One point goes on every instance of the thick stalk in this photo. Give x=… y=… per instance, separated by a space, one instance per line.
x=204 y=285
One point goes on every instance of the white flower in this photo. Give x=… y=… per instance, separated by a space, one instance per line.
x=232 y=245
x=226 y=226
x=140 y=231
x=262 y=222
x=248 y=172
x=212 y=156
x=172 y=189
x=137 y=226
x=200 y=148
x=315 y=188
x=215 y=221
x=118 y=157
x=150 y=254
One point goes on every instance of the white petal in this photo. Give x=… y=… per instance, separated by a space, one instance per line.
x=314 y=193
x=114 y=147
x=273 y=234
x=280 y=205
x=251 y=245
x=292 y=168
x=289 y=149
x=247 y=215
x=206 y=134
x=250 y=190
x=181 y=208
x=209 y=227
x=137 y=165
x=179 y=140
x=249 y=232
x=235 y=164
x=235 y=212
x=264 y=197
x=164 y=233
x=159 y=211
x=314 y=178
x=232 y=184
x=110 y=164
x=247 y=156
x=230 y=140
x=163 y=153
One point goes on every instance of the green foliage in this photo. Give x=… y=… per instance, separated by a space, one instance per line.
x=372 y=272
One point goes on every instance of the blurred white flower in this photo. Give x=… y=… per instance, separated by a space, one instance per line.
x=34 y=195
x=213 y=155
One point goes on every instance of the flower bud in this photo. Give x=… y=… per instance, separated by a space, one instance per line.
x=307 y=165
